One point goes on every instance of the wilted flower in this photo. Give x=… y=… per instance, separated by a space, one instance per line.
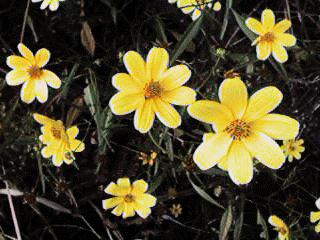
x=280 y=227
x=148 y=159
x=129 y=199
x=293 y=148
x=53 y=4
x=176 y=210
x=197 y=6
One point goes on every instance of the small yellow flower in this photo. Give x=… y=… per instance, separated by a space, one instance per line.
x=293 y=148
x=148 y=159
x=315 y=216
x=53 y=4
x=197 y=6
x=176 y=210
x=280 y=227
x=28 y=70
x=150 y=88
x=60 y=143
x=244 y=128
x=272 y=37
x=129 y=198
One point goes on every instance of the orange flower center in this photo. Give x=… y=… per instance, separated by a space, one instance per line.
x=283 y=230
x=35 y=72
x=129 y=198
x=56 y=132
x=268 y=37
x=153 y=89
x=238 y=129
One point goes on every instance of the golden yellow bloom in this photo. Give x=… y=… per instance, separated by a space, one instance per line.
x=280 y=227
x=197 y=6
x=272 y=37
x=148 y=159
x=60 y=143
x=28 y=70
x=53 y=4
x=293 y=148
x=244 y=128
x=150 y=88
x=176 y=210
x=129 y=198
x=315 y=216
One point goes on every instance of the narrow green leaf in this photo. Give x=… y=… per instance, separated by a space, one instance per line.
x=187 y=37
x=225 y=223
x=226 y=18
x=260 y=220
x=241 y=22
x=239 y=221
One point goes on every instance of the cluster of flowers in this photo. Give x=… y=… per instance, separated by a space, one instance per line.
x=244 y=127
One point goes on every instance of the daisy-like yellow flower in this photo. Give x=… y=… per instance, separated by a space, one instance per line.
x=148 y=159
x=150 y=88
x=272 y=37
x=197 y=6
x=315 y=216
x=176 y=210
x=53 y=4
x=129 y=198
x=293 y=148
x=280 y=227
x=60 y=142
x=244 y=128
x=27 y=70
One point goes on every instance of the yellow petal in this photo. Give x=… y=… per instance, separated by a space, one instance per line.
x=175 y=77
x=123 y=103
x=41 y=90
x=16 y=62
x=186 y=6
x=73 y=132
x=139 y=186
x=255 y=26
x=46 y=153
x=113 y=189
x=25 y=52
x=128 y=211
x=167 y=114
x=268 y=19
x=240 y=163
x=208 y=136
x=17 y=77
x=180 y=96
x=262 y=102
x=143 y=212
x=118 y=189
x=146 y=200
x=286 y=39
x=279 y=53
x=119 y=209
x=217 y=6
x=211 y=112
x=28 y=91
x=124 y=82
x=124 y=182
x=42 y=57
x=276 y=221
x=54 y=5
x=266 y=150
x=209 y=153
x=317 y=228
x=157 y=62
x=45 y=4
x=111 y=202
x=57 y=159
x=51 y=78
x=282 y=26
x=233 y=94
x=318 y=203
x=196 y=14
x=144 y=116
x=223 y=163
x=263 y=50
x=277 y=126
x=76 y=145
x=136 y=66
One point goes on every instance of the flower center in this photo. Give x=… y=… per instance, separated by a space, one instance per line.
x=282 y=230
x=238 y=129
x=129 y=198
x=35 y=72
x=153 y=89
x=56 y=132
x=268 y=37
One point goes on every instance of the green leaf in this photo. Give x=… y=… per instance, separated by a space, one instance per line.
x=225 y=223
x=187 y=37
x=241 y=22
x=203 y=194
x=226 y=18
x=239 y=221
x=260 y=220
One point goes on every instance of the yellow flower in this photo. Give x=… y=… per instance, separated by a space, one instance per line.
x=60 y=143
x=28 y=70
x=315 y=216
x=244 y=128
x=129 y=198
x=272 y=37
x=197 y=6
x=280 y=227
x=176 y=210
x=150 y=88
x=148 y=159
x=53 y=4
x=293 y=148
